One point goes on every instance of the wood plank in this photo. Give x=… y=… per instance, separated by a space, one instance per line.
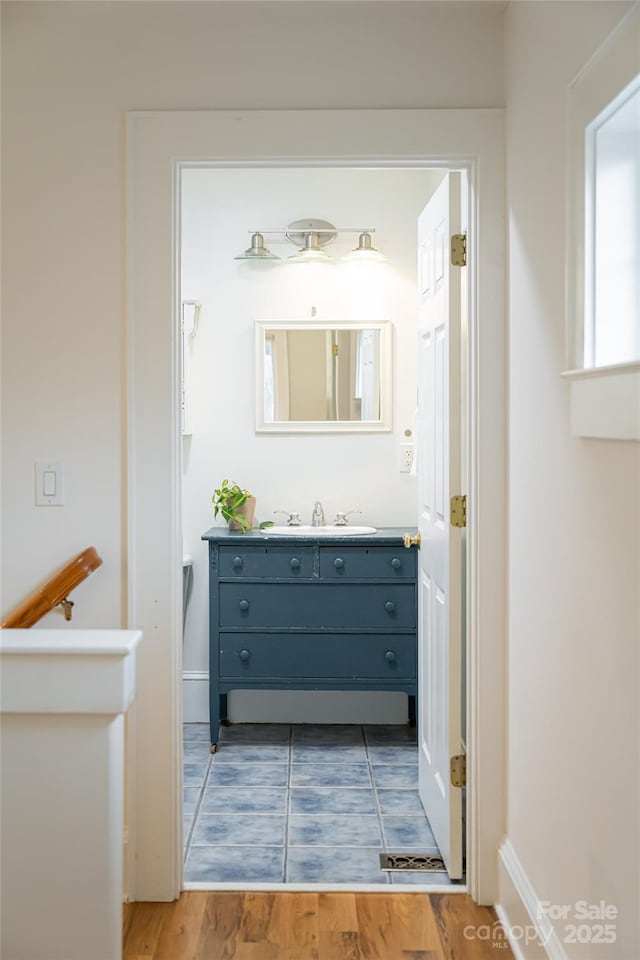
x=181 y=930
x=258 y=951
x=375 y=924
x=337 y=911
x=257 y=911
x=219 y=930
x=415 y=923
x=144 y=926
x=342 y=944
x=301 y=933
x=422 y=955
x=205 y=925
x=338 y=926
x=458 y=920
x=127 y=916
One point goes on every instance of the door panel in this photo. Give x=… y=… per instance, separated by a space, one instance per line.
x=439 y=477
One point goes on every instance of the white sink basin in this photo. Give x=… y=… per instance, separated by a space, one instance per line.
x=329 y=530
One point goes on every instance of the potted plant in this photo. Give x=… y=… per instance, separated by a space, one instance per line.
x=236 y=505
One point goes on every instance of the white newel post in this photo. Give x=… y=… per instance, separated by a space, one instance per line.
x=63 y=698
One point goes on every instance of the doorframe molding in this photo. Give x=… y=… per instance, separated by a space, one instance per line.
x=159 y=145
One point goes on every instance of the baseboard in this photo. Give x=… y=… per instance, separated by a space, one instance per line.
x=529 y=930
x=293 y=706
x=195 y=696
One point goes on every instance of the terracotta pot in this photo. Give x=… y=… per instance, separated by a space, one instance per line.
x=247 y=510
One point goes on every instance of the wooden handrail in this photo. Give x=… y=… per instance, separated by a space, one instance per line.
x=55 y=591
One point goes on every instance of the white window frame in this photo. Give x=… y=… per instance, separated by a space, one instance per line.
x=605 y=401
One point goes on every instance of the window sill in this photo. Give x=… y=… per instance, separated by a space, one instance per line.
x=605 y=402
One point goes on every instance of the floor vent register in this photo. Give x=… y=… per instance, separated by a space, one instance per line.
x=425 y=862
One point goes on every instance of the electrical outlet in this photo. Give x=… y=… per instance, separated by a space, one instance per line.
x=406 y=457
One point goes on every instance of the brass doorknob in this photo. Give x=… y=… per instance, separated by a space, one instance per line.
x=410 y=541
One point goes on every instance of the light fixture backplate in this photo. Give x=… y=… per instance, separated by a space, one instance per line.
x=299 y=229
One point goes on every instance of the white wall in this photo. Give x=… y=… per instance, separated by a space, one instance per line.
x=292 y=471
x=69 y=72
x=574 y=523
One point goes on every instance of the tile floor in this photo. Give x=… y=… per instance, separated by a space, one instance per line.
x=302 y=804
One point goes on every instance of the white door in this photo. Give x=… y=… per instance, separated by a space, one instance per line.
x=439 y=478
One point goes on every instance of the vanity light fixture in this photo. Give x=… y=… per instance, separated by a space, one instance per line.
x=365 y=250
x=257 y=250
x=311 y=236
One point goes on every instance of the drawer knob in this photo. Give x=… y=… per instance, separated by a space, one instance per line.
x=245 y=655
x=390 y=656
x=237 y=562
x=390 y=606
x=338 y=563
x=294 y=563
x=396 y=563
x=243 y=604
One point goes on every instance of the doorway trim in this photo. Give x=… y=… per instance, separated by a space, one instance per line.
x=159 y=144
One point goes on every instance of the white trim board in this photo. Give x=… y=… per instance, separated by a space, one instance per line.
x=605 y=402
x=195 y=696
x=529 y=930
x=158 y=145
x=332 y=887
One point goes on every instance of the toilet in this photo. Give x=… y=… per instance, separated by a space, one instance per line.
x=187 y=587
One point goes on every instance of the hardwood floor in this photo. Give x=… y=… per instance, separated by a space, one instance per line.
x=205 y=925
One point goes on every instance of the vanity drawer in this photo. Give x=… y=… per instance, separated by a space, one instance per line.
x=367 y=563
x=279 y=561
x=362 y=606
x=309 y=656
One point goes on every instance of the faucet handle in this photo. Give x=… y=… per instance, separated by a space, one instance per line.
x=341 y=518
x=293 y=519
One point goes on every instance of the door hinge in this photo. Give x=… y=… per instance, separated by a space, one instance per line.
x=459 y=770
x=459 y=511
x=334 y=349
x=459 y=250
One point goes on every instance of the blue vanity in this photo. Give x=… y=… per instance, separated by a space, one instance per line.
x=310 y=613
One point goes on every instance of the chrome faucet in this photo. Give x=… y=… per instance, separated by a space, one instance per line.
x=293 y=519
x=341 y=518
x=317 y=517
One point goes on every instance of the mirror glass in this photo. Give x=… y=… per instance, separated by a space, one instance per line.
x=322 y=377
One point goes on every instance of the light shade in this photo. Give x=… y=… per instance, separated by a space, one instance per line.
x=311 y=252
x=257 y=250
x=365 y=251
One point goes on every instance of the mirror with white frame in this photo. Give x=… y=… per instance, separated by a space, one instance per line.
x=331 y=376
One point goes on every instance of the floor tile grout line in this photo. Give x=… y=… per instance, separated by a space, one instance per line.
x=371 y=787
x=196 y=812
x=322 y=846
x=287 y=811
x=252 y=846
x=376 y=800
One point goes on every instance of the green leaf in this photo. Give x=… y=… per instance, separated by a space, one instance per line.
x=227 y=499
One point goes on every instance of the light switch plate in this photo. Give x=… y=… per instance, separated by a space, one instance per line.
x=49 y=478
